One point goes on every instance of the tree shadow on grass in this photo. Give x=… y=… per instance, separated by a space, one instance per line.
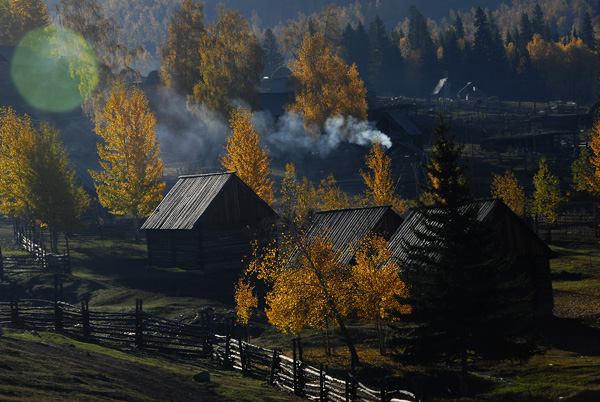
x=571 y=335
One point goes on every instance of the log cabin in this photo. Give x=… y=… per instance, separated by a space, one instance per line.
x=528 y=253
x=206 y=221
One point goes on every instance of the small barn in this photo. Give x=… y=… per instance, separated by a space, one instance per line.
x=348 y=228
x=206 y=221
x=529 y=253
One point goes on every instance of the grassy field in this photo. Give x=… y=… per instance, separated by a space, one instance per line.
x=111 y=274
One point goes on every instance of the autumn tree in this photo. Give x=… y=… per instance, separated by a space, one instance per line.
x=378 y=286
x=331 y=196
x=378 y=178
x=231 y=63
x=547 y=198
x=246 y=156
x=507 y=189
x=307 y=286
x=591 y=171
x=38 y=184
x=131 y=180
x=102 y=32
x=325 y=85
x=461 y=303
x=181 y=54
x=246 y=301
x=18 y=17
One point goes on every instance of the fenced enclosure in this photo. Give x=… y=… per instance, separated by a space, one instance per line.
x=149 y=332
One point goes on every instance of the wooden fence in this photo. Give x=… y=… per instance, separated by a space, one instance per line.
x=38 y=260
x=143 y=330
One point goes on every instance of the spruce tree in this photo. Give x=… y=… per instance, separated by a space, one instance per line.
x=461 y=304
x=273 y=56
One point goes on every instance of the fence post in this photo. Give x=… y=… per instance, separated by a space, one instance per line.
x=294 y=367
x=208 y=345
x=242 y=357
x=58 y=317
x=14 y=313
x=85 y=319
x=67 y=261
x=1 y=266
x=139 y=340
x=274 y=366
x=321 y=384
x=347 y=389
x=227 y=351
x=383 y=389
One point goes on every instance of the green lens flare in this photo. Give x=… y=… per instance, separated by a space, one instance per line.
x=54 y=69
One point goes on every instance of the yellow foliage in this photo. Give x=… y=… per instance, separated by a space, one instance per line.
x=311 y=290
x=507 y=189
x=380 y=186
x=547 y=198
x=377 y=281
x=181 y=54
x=327 y=86
x=594 y=181
x=37 y=183
x=131 y=180
x=331 y=196
x=568 y=67
x=246 y=156
x=17 y=137
x=230 y=63
x=245 y=301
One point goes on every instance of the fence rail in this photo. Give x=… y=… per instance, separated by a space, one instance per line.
x=143 y=330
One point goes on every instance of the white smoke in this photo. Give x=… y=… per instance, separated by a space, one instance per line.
x=198 y=134
x=288 y=134
x=191 y=134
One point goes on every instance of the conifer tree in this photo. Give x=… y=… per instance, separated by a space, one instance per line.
x=460 y=302
x=273 y=57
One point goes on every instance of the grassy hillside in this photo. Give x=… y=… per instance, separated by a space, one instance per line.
x=113 y=273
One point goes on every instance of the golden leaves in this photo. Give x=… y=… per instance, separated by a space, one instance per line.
x=327 y=86
x=507 y=189
x=377 y=281
x=547 y=198
x=131 y=180
x=380 y=186
x=246 y=156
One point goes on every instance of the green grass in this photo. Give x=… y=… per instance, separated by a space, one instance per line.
x=112 y=274
x=48 y=366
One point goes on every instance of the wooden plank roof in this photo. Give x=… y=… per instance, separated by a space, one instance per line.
x=187 y=201
x=518 y=238
x=347 y=228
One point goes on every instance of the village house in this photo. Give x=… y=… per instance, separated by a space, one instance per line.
x=347 y=229
x=206 y=221
x=529 y=254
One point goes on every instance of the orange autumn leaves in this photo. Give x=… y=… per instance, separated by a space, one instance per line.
x=310 y=288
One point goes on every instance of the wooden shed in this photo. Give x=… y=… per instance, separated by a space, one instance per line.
x=206 y=221
x=529 y=253
x=348 y=228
